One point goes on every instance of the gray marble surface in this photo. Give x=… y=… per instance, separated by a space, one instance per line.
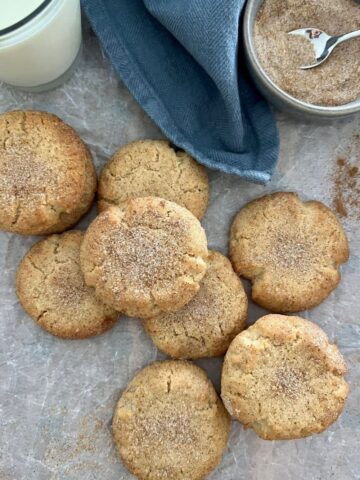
x=57 y=397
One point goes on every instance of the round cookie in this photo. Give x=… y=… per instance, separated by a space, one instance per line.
x=145 y=257
x=51 y=288
x=47 y=178
x=170 y=424
x=290 y=250
x=154 y=168
x=206 y=325
x=283 y=378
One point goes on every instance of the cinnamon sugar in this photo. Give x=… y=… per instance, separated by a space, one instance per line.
x=288 y=382
x=336 y=81
x=68 y=286
x=346 y=188
x=289 y=253
x=167 y=428
x=23 y=176
x=146 y=255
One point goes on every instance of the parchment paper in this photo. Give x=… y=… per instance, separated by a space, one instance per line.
x=57 y=397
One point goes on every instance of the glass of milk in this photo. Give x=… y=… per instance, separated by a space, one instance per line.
x=40 y=42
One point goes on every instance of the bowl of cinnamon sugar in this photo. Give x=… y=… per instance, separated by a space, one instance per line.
x=329 y=91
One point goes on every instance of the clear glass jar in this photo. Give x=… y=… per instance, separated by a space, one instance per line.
x=40 y=51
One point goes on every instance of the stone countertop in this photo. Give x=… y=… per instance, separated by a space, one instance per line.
x=57 y=397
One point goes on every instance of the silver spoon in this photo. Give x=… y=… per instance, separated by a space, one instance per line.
x=323 y=43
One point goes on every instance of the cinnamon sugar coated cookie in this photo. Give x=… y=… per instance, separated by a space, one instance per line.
x=145 y=257
x=283 y=378
x=290 y=250
x=170 y=424
x=51 y=288
x=206 y=325
x=155 y=168
x=47 y=178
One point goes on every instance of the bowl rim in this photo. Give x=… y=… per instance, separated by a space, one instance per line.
x=251 y=9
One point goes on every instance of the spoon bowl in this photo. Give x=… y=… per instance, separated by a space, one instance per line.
x=322 y=43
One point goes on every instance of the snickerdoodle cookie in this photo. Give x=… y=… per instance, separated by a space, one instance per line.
x=206 y=325
x=170 y=424
x=145 y=257
x=154 y=168
x=51 y=288
x=290 y=250
x=283 y=378
x=47 y=178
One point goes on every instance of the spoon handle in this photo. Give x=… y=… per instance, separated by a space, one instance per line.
x=347 y=36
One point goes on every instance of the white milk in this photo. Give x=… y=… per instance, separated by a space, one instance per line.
x=39 y=52
x=11 y=11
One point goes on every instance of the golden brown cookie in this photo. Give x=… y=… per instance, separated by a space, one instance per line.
x=170 y=424
x=51 y=288
x=290 y=250
x=206 y=325
x=154 y=168
x=47 y=178
x=145 y=257
x=283 y=378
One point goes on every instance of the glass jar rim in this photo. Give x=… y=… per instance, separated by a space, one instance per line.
x=33 y=25
x=12 y=28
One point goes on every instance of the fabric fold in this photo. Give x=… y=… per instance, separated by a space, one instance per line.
x=183 y=62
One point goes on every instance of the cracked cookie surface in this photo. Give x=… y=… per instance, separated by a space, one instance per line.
x=283 y=378
x=47 y=178
x=154 y=168
x=145 y=257
x=51 y=288
x=208 y=323
x=170 y=424
x=290 y=250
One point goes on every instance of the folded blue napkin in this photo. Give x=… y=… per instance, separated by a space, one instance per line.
x=183 y=62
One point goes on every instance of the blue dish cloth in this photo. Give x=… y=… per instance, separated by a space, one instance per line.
x=183 y=62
